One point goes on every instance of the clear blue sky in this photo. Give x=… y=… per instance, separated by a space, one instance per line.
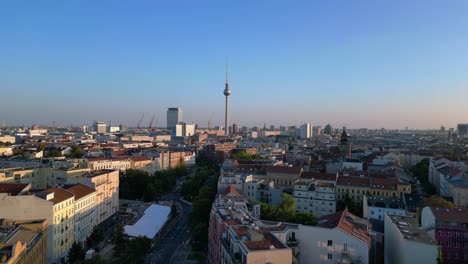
x=356 y=63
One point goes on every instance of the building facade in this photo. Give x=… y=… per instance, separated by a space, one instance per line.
x=405 y=242
x=449 y=228
x=85 y=211
x=106 y=184
x=174 y=116
x=316 y=197
x=23 y=242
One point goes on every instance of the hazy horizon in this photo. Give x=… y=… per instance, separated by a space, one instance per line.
x=356 y=64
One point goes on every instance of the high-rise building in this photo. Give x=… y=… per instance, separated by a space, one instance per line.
x=226 y=92
x=305 y=131
x=462 y=130
x=184 y=130
x=174 y=116
x=235 y=128
x=317 y=130
x=100 y=127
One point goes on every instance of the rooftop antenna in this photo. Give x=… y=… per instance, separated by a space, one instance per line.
x=227 y=69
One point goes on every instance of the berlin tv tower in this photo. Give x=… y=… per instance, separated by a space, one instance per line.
x=227 y=92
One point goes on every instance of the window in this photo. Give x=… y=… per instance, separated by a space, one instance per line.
x=330 y=243
x=330 y=256
x=457 y=234
x=448 y=244
x=440 y=233
x=448 y=233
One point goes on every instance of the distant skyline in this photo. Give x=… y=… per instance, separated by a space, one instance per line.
x=374 y=64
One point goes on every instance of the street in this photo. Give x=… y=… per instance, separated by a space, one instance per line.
x=166 y=248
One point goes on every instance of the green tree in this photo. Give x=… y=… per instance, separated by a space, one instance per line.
x=119 y=240
x=286 y=209
x=53 y=153
x=136 y=250
x=95 y=237
x=76 y=254
x=241 y=155
x=286 y=212
x=96 y=259
x=437 y=201
x=421 y=172
x=305 y=218
x=76 y=152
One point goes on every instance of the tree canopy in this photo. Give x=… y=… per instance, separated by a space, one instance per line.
x=76 y=254
x=421 y=172
x=437 y=201
x=286 y=212
x=139 y=185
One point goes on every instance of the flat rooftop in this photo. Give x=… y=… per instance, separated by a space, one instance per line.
x=409 y=228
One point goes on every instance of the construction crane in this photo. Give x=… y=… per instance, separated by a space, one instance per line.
x=209 y=121
x=139 y=122
x=151 y=122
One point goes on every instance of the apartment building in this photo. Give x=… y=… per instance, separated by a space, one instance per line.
x=449 y=227
x=450 y=179
x=376 y=207
x=360 y=184
x=56 y=205
x=121 y=164
x=140 y=162
x=283 y=176
x=63 y=220
x=263 y=191
x=85 y=211
x=406 y=243
x=340 y=237
x=236 y=237
x=23 y=242
x=106 y=184
x=316 y=197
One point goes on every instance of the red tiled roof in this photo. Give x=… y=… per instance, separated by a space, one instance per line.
x=12 y=188
x=139 y=158
x=80 y=190
x=346 y=225
x=343 y=220
x=353 y=181
x=231 y=190
x=60 y=194
x=231 y=222
x=450 y=214
x=241 y=231
x=119 y=152
x=384 y=183
x=112 y=159
x=318 y=176
x=283 y=169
